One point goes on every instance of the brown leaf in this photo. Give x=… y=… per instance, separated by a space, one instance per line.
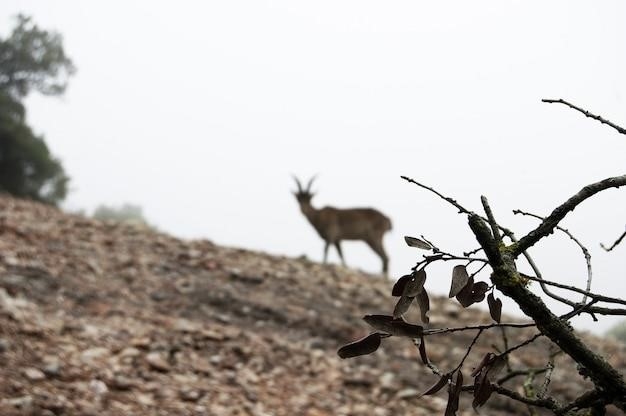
x=487 y=359
x=416 y=242
x=482 y=390
x=486 y=371
x=443 y=380
x=398 y=288
x=472 y=293
x=422 y=350
x=363 y=346
x=480 y=288
x=415 y=284
x=454 y=392
x=495 y=367
x=397 y=327
x=402 y=306
x=459 y=280
x=465 y=294
x=495 y=307
x=424 y=304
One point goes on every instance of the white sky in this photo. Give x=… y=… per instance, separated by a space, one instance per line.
x=200 y=111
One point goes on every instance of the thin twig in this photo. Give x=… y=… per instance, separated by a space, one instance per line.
x=429 y=364
x=469 y=349
x=521 y=344
x=582 y=307
x=480 y=269
x=587 y=114
x=462 y=210
x=547 y=378
x=505 y=342
x=595 y=296
x=443 y=256
x=548 y=403
x=571 y=236
x=615 y=244
x=439 y=331
x=517 y=373
x=492 y=220
x=538 y=274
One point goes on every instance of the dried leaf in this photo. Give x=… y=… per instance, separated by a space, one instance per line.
x=472 y=293
x=487 y=359
x=495 y=307
x=482 y=391
x=398 y=288
x=402 y=306
x=424 y=304
x=405 y=329
x=397 y=327
x=363 y=346
x=422 y=350
x=415 y=284
x=495 y=367
x=443 y=380
x=380 y=322
x=480 y=288
x=486 y=371
x=416 y=242
x=459 y=280
x=465 y=294
x=454 y=393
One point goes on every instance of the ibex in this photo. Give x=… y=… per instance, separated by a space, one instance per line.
x=334 y=224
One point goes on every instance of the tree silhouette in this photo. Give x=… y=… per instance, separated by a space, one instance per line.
x=500 y=252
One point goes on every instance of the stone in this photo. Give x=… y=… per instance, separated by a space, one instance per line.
x=156 y=361
x=33 y=374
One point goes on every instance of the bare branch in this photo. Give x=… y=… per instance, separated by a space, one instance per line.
x=547 y=225
x=586 y=400
x=595 y=296
x=516 y=373
x=587 y=114
x=469 y=349
x=582 y=247
x=439 y=331
x=521 y=344
x=462 y=210
x=492 y=220
x=615 y=244
x=547 y=403
x=547 y=379
x=508 y=281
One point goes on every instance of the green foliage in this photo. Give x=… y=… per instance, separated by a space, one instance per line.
x=127 y=213
x=30 y=58
x=618 y=331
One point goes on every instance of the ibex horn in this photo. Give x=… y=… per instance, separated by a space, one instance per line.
x=308 y=186
x=297 y=183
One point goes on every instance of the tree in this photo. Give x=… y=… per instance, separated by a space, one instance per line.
x=127 y=213
x=500 y=252
x=30 y=59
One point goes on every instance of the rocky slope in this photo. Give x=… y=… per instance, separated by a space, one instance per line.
x=107 y=319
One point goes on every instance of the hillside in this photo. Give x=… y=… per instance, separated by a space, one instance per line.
x=107 y=319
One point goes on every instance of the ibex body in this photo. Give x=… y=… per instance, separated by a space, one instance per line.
x=335 y=225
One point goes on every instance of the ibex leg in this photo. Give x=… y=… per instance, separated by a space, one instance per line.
x=377 y=246
x=338 y=246
x=326 y=245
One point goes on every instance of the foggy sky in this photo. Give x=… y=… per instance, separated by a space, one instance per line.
x=200 y=112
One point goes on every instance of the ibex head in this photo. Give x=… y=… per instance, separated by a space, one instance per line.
x=304 y=195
